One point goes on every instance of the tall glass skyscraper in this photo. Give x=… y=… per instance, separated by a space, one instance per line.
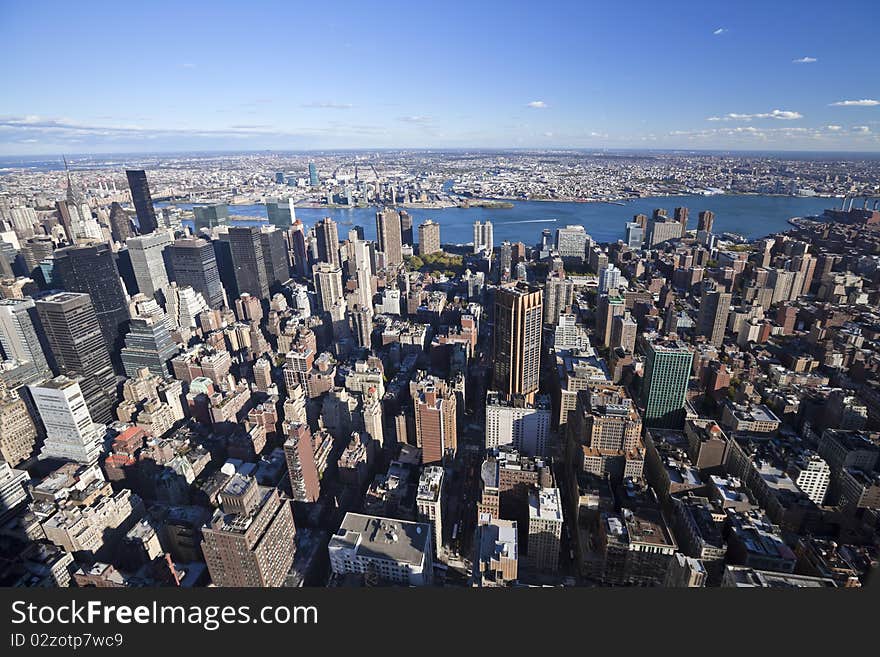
x=193 y=262
x=92 y=270
x=208 y=216
x=667 y=372
x=143 y=201
x=78 y=349
x=149 y=344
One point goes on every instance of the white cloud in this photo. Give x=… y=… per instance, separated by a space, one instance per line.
x=537 y=104
x=861 y=129
x=63 y=130
x=805 y=60
x=865 y=102
x=719 y=31
x=415 y=119
x=834 y=128
x=327 y=105
x=782 y=115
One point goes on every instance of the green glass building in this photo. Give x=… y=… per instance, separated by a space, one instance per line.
x=667 y=372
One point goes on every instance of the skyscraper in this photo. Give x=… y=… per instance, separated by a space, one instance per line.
x=299 y=453
x=328 y=285
x=143 y=201
x=248 y=261
x=297 y=236
x=360 y=270
x=705 y=220
x=429 y=502
x=608 y=307
x=120 y=223
x=517 y=347
x=483 y=239
x=572 y=242
x=662 y=229
x=664 y=386
x=635 y=235
x=249 y=540
x=406 y=228
x=313 y=175
x=71 y=434
x=208 y=216
x=429 y=237
x=17 y=432
x=388 y=237
x=328 y=241
x=281 y=214
x=148 y=344
x=78 y=348
x=712 y=316
x=435 y=420
x=545 y=528
x=19 y=338
x=609 y=279
x=274 y=256
x=148 y=261
x=558 y=294
x=92 y=270
x=681 y=216
x=194 y=264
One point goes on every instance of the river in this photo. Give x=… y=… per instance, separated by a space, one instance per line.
x=750 y=215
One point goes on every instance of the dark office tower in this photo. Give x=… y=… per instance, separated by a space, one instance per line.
x=299 y=453
x=78 y=349
x=126 y=271
x=313 y=175
x=92 y=270
x=388 y=237
x=143 y=202
x=705 y=220
x=406 y=228
x=681 y=216
x=208 y=216
x=659 y=214
x=297 y=236
x=328 y=241
x=274 y=257
x=192 y=262
x=120 y=224
x=148 y=344
x=248 y=261
x=249 y=540
x=223 y=254
x=517 y=347
x=712 y=316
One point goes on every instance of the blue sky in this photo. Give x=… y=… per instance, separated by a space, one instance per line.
x=102 y=77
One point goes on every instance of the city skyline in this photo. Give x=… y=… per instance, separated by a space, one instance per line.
x=749 y=77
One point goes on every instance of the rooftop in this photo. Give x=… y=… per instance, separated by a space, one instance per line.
x=372 y=537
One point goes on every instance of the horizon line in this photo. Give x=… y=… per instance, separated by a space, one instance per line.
x=401 y=149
